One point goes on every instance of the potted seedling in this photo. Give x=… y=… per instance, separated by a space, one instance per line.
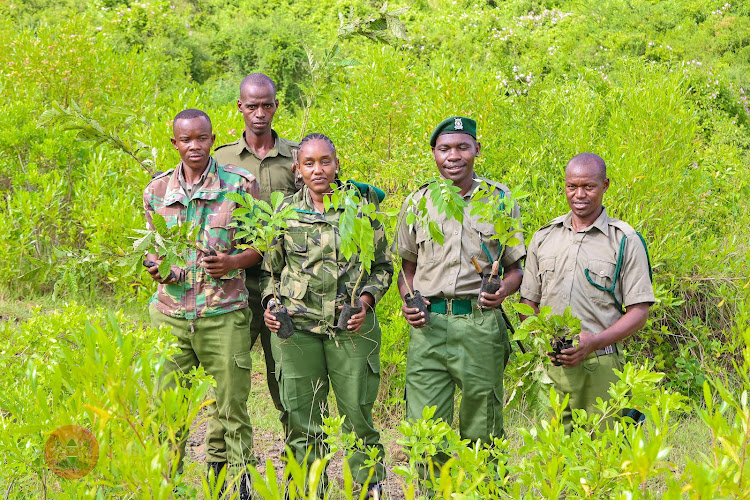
x=558 y=331
x=446 y=200
x=171 y=244
x=357 y=237
x=261 y=226
x=495 y=209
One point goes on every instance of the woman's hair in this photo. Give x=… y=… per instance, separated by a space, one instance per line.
x=318 y=136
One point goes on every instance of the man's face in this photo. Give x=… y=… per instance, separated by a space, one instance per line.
x=193 y=139
x=454 y=155
x=258 y=104
x=585 y=185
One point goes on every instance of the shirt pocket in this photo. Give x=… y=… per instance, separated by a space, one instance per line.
x=292 y=285
x=427 y=248
x=546 y=276
x=296 y=242
x=600 y=272
x=216 y=235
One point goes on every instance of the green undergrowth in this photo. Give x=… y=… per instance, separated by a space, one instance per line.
x=99 y=370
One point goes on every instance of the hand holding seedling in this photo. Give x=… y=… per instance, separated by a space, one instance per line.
x=575 y=355
x=413 y=315
x=358 y=319
x=270 y=319
x=153 y=269
x=219 y=264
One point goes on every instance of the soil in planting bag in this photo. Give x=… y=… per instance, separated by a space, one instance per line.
x=490 y=284
x=558 y=346
x=347 y=312
x=414 y=299
x=286 y=329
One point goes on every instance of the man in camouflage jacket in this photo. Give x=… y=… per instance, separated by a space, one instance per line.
x=205 y=302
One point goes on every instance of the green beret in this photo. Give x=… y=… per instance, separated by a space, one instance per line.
x=454 y=125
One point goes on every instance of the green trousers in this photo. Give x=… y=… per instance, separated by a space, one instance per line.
x=307 y=365
x=221 y=345
x=469 y=351
x=585 y=382
x=258 y=329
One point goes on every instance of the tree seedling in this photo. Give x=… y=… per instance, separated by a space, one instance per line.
x=170 y=244
x=446 y=200
x=357 y=236
x=547 y=329
x=260 y=226
x=495 y=209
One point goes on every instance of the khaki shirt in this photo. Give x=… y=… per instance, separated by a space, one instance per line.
x=447 y=271
x=274 y=172
x=558 y=257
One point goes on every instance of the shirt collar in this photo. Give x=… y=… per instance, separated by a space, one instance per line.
x=601 y=223
x=209 y=190
x=279 y=147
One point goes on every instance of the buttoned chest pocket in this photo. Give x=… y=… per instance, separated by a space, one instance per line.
x=600 y=275
x=429 y=249
x=216 y=236
x=296 y=243
x=171 y=216
x=546 y=275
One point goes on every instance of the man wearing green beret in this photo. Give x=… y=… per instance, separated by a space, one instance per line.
x=465 y=342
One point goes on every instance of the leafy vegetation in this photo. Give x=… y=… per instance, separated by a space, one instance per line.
x=659 y=89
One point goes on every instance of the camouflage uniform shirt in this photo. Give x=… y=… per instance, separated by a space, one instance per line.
x=313 y=276
x=196 y=294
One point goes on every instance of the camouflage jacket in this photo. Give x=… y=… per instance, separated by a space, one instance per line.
x=313 y=277
x=196 y=294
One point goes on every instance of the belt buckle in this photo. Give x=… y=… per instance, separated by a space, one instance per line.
x=448 y=306
x=609 y=349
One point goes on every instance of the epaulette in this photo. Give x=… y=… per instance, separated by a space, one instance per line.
x=556 y=220
x=622 y=226
x=234 y=169
x=289 y=142
x=159 y=175
x=227 y=145
x=495 y=184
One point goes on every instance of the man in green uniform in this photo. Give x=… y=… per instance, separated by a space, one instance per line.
x=465 y=343
x=269 y=158
x=599 y=266
x=205 y=302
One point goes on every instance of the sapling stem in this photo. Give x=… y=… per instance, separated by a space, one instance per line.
x=356 y=286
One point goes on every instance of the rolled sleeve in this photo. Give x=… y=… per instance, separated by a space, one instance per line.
x=531 y=285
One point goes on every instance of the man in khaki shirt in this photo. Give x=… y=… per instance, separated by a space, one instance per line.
x=574 y=261
x=269 y=158
x=463 y=343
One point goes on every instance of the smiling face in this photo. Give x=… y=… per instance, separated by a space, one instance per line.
x=585 y=185
x=318 y=164
x=454 y=155
x=193 y=139
x=258 y=104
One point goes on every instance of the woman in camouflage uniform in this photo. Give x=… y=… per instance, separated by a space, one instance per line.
x=315 y=280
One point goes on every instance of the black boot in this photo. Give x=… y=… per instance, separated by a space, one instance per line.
x=246 y=487
x=216 y=467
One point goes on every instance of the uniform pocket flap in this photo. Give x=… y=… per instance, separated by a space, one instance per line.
x=603 y=269
x=373 y=361
x=244 y=360
x=219 y=219
x=297 y=241
x=293 y=287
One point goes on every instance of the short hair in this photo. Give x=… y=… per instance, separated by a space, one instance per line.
x=189 y=114
x=589 y=159
x=316 y=136
x=257 y=79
